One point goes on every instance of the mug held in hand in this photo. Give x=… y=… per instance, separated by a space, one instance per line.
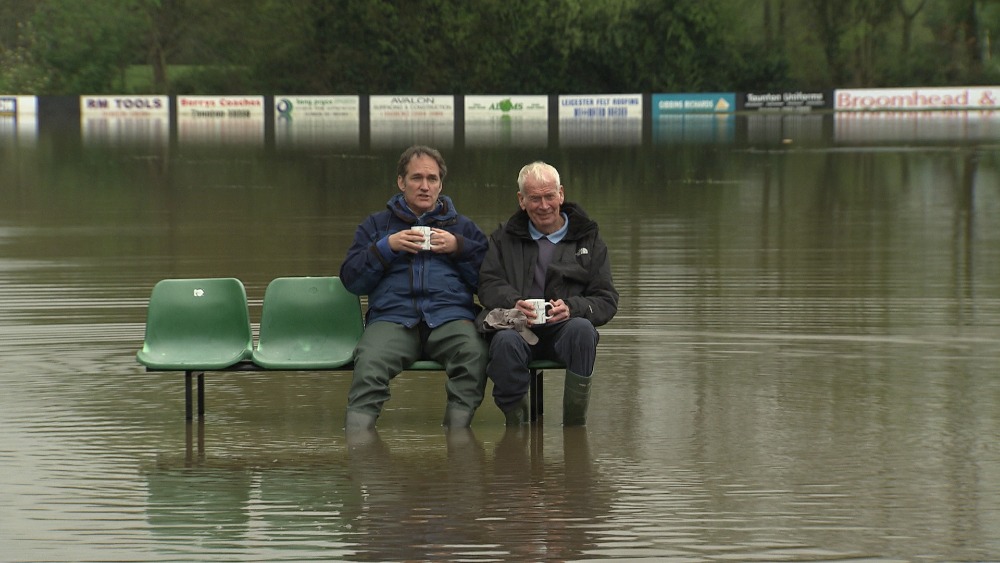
x=541 y=310
x=426 y=231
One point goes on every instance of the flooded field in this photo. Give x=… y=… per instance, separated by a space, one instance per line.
x=804 y=366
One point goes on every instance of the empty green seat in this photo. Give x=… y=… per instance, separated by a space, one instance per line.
x=308 y=323
x=197 y=324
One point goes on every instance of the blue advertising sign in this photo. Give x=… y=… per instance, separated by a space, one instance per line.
x=711 y=102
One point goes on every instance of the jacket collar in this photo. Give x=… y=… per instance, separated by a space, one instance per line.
x=580 y=224
x=443 y=214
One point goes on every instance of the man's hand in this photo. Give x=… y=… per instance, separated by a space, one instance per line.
x=407 y=241
x=443 y=242
x=558 y=312
x=526 y=308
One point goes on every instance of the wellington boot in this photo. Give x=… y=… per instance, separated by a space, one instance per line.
x=357 y=420
x=576 y=398
x=518 y=414
x=457 y=417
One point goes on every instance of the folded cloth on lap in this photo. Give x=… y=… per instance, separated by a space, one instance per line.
x=502 y=319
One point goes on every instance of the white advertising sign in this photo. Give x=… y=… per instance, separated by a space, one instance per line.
x=212 y=119
x=397 y=120
x=916 y=99
x=318 y=121
x=317 y=107
x=14 y=106
x=125 y=119
x=615 y=106
x=498 y=107
x=124 y=106
x=504 y=120
x=18 y=118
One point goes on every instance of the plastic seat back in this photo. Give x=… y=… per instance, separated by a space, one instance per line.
x=308 y=323
x=197 y=324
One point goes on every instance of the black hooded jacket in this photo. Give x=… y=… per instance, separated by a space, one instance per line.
x=579 y=274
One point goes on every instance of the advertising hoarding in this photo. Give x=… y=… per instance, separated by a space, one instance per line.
x=317 y=121
x=125 y=119
x=784 y=101
x=19 y=118
x=712 y=102
x=612 y=119
x=506 y=120
x=895 y=99
x=223 y=119
x=404 y=120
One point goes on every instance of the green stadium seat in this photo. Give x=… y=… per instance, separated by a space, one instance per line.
x=308 y=323
x=197 y=324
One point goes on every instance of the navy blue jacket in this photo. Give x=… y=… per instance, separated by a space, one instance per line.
x=406 y=288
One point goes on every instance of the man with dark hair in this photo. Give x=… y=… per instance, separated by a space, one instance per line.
x=420 y=301
x=548 y=250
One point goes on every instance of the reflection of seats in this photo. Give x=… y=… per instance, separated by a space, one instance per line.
x=205 y=507
x=197 y=324
x=308 y=323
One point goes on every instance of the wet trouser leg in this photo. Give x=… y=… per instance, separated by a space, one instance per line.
x=459 y=347
x=508 y=368
x=573 y=343
x=385 y=349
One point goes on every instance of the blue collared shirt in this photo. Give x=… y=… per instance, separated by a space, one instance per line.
x=554 y=237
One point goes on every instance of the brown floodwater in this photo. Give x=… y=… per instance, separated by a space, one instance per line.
x=804 y=366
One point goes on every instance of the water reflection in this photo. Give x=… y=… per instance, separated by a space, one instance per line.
x=600 y=132
x=918 y=126
x=803 y=366
x=433 y=497
x=696 y=128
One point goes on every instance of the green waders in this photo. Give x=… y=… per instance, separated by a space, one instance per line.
x=386 y=349
x=576 y=398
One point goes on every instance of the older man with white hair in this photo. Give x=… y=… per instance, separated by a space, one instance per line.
x=549 y=249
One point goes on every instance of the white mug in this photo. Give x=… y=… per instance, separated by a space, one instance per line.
x=426 y=231
x=541 y=309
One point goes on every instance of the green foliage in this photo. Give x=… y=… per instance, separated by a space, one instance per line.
x=212 y=80
x=490 y=46
x=21 y=72
x=84 y=46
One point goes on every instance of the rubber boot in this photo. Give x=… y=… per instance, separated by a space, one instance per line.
x=518 y=414
x=576 y=397
x=457 y=417
x=357 y=420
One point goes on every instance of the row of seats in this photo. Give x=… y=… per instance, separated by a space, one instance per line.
x=307 y=323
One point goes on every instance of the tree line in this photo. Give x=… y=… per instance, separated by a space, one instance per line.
x=72 y=47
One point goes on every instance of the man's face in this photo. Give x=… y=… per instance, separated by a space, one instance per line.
x=422 y=183
x=541 y=200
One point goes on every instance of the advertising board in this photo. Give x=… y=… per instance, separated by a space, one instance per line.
x=895 y=99
x=506 y=120
x=403 y=120
x=222 y=119
x=317 y=121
